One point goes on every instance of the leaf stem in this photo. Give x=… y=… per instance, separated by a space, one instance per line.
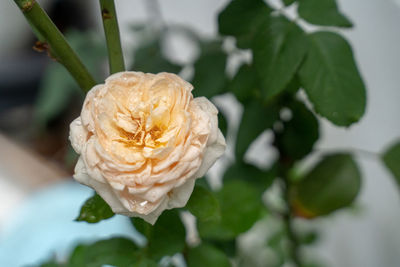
x=46 y=31
x=111 y=30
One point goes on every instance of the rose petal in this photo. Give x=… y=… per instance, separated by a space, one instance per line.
x=104 y=190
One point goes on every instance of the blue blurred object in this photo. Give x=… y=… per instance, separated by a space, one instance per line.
x=44 y=227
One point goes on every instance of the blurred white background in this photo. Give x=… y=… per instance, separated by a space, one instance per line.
x=369 y=238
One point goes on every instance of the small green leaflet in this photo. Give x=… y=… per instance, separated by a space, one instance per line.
x=94 y=210
x=391 y=158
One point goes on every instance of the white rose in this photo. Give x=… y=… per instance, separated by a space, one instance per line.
x=143 y=140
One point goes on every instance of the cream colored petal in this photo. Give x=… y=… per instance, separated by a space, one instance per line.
x=87 y=109
x=103 y=189
x=156 y=192
x=77 y=135
x=153 y=216
x=134 y=190
x=209 y=108
x=180 y=195
x=211 y=154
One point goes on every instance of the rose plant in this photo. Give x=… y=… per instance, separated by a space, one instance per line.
x=143 y=140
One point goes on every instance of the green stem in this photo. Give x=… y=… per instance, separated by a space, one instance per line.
x=288 y=220
x=285 y=164
x=111 y=30
x=46 y=31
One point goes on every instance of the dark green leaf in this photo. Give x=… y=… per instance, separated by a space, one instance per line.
x=94 y=210
x=222 y=123
x=206 y=255
x=149 y=58
x=166 y=237
x=391 y=158
x=293 y=86
x=279 y=48
x=300 y=133
x=241 y=18
x=209 y=70
x=331 y=79
x=333 y=184
x=226 y=246
x=241 y=207
x=255 y=119
x=251 y=174
x=203 y=204
x=244 y=85
x=322 y=12
x=118 y=251
x=288 y=2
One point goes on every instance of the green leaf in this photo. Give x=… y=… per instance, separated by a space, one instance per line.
x=206 y=255
x=300 y=133
x=94 y=210
x=241 y=18
x=259 y=178
x=209 y=70
x=244 y=84
x=279 y=48
x=166 y=237
x=203 y=204
x=222 y=123
x=331 y=79
x=228 y=247
x=117 y=251
x=333 y=184
x=322 y=12
x=255 y=119
x=391 y=158
x=293 y=86
x=241 y=207
x=149 y=58
x=288 y=2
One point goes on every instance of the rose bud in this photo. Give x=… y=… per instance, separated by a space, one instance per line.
x=143 y=140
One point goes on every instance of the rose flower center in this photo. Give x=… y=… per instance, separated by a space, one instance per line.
x=142 y=128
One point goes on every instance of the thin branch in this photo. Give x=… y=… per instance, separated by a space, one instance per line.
x=111 y=30
x=46 y=31
x=358 y=151
x=294 y=248
x=285 y=165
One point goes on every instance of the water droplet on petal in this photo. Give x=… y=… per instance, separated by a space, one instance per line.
x=142 y=204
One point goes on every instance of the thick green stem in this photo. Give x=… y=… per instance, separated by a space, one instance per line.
x=111 y=30
x=46 y=31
